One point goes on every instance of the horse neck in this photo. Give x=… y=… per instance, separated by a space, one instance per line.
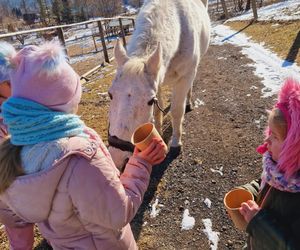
x=144 y=41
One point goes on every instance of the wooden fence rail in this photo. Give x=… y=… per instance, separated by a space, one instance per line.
x=60 y=31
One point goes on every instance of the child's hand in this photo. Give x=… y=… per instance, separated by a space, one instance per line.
x=154 y=153
x=249 y=209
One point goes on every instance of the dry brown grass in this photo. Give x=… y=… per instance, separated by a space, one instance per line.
x=278 y=37
x=94 y=104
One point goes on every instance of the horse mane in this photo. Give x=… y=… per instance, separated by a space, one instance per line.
x=147 y=33
x=135 y=66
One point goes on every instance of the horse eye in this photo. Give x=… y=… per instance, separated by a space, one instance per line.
x=110 y=95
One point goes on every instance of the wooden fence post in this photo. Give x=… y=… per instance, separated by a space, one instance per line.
x=103 y=41
x=61 y=37
x=225 y=9
x=122 y=32
x=255 y=16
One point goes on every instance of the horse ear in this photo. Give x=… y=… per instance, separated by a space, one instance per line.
x=154 y=62
x=120 y=54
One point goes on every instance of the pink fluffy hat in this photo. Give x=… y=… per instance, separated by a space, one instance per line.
x=41 y=74
x=289 y=104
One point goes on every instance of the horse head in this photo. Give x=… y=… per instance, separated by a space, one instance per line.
x=132 y=94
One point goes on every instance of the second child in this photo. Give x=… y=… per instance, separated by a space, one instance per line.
x=274 y=217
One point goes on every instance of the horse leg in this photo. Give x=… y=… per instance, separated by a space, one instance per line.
x=189 y=105
x=179 y=96
x=158 y=116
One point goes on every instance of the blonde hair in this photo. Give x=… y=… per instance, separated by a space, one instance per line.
x=276 y=117
x=10 y=164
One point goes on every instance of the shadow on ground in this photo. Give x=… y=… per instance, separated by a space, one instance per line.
x=156 y=176
x=292 y=55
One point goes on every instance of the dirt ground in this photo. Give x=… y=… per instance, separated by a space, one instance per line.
x=223 y=132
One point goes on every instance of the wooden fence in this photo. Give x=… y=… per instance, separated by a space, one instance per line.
x=103 y=32
x=224 y=9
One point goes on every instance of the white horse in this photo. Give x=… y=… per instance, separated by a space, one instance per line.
x=170 y=38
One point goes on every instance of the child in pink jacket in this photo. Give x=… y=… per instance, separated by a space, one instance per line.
x=19 y=238
x=58 y=172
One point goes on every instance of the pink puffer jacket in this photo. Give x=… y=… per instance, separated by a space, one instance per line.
x=81 y=201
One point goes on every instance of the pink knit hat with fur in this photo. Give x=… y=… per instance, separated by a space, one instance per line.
x=42 y=74
x=289 y=104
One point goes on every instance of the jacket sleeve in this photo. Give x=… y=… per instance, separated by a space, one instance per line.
x=9 y=218
x=269 y=233
x=252 y=187
x=102 y=197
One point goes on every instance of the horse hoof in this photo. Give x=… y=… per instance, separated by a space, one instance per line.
x=174 y=152
x=188 y=108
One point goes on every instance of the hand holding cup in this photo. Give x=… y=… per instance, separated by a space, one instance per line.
x=249 y=209
x=233 y=202
x=154 y=153
x=149 y=144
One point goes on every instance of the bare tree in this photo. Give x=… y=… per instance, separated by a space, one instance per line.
x=24 y=5
x=57 y=8
x=67 y=12
x=4 y=8
x=82 y=9
x=43 y=11
x=107 y=8
x=136 y=3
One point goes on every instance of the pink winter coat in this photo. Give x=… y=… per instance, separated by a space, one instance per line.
x=81 y=201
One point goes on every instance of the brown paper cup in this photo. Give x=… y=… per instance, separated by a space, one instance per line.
x=232 y=201
x=143 y=136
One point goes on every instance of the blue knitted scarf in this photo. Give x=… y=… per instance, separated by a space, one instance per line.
x=29 y=122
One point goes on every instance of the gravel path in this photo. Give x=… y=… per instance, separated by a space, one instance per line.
x=221 y=133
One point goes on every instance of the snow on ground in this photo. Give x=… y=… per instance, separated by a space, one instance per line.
x=212 y=236
x=130 y=9
x=272 y=69
x=188 y=222
x=285 y=11
x=155 y=208
x=207 y=202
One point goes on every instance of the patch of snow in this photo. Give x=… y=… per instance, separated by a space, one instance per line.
x=212 y=236
x=207 y=202
x=154 y=210
x=217 y=170
x=130 y=10
x=198 y=103
x=258 y=122
x=267 y=65
x=188 y=222
x=284 y=11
